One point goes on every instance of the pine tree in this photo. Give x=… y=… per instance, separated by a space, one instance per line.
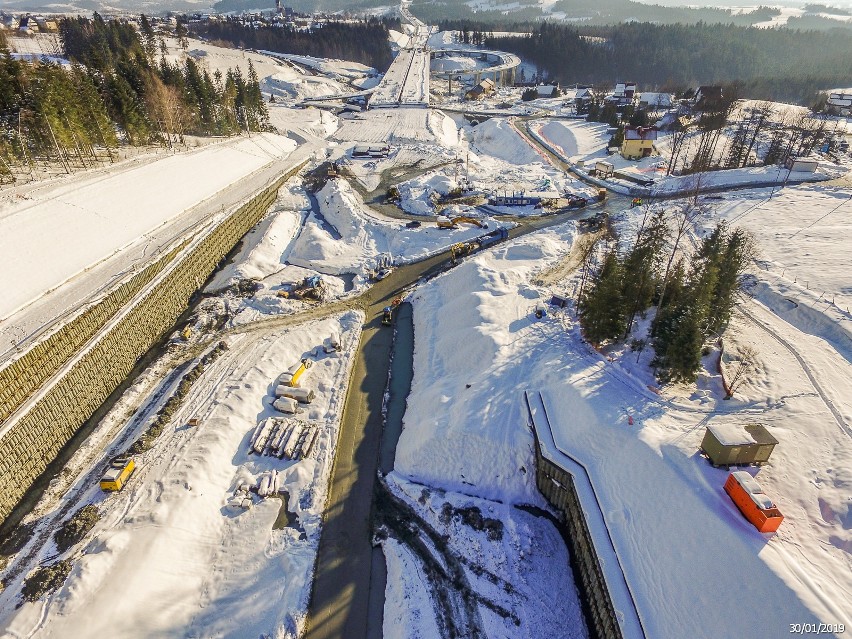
x=602 y=305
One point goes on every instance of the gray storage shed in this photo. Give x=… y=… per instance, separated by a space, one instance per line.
x=738 y=444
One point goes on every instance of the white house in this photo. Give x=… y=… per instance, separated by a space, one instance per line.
x=655 y=100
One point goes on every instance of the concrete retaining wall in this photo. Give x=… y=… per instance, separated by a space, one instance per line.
x=85 y=370
x=557 y=486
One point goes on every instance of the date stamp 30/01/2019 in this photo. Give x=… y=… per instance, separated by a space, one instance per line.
x=817 y=628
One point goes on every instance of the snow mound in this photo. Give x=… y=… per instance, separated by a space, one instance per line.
x=497 y=138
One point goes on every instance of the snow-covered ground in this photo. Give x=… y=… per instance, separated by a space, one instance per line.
x=479 y=347
x=88 y=220
x=170 y=556
x=582 y=144
x=189 y=564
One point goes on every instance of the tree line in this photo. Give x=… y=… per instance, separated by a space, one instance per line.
x=770 y=64
x=692 y=298
x=365 y=41
x=115 y=91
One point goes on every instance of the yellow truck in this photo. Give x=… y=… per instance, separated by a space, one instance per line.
x=119 y=471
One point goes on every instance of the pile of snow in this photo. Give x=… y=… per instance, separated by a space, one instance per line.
x=266 y=247
x=350 y=237
x=574 y=138
x=497 y=138
x=522 y=573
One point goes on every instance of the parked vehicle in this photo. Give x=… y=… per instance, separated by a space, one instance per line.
x=119 y=471
x=387 y=316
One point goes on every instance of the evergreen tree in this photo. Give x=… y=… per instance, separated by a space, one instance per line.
x=602 y=313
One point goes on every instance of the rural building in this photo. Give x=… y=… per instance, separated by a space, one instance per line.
x=801 y=164
x=579 y=98
x=737 y=444
x=548 y=90
x=486 y=87
x=839 y=103
x=47 y=25
x=638 y=142
x=707 y=97
x=623 y=94
x=655 y=100
x=28 y=25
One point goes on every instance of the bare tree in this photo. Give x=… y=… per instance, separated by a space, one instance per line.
x=746 y=364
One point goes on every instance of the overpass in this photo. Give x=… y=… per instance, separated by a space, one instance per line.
x=501 y=67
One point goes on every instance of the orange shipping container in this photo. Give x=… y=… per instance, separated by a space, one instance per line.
x=749 y=497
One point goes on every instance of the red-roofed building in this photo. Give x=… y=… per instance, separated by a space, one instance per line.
x=638 y=142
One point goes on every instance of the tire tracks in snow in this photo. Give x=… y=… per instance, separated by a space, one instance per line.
x=806 y=368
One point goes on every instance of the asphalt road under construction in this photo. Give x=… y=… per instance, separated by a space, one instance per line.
x=348 y=569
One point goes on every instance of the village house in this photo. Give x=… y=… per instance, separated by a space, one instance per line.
x=638 y=142
x=580 y=98
x=648 y=100
x=623 y=94
x=707 y=97
x=486 y=87
x=548 y=90
x=839 y=103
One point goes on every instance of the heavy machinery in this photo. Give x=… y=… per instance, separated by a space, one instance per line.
x=445 y=222
x=310 y=288
x=460 y=249
x=387 y=316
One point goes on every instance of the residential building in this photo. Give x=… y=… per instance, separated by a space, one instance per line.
x=839 y=103
x=708 y=97
x=638 y=142
x=486 y=87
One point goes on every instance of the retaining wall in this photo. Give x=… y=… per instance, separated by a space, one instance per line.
x=557 y=486
x=86 y=369
x=21 y=378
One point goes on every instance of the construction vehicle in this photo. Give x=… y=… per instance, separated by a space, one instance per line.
x=119 y=471
x=576 y=201
x=445 y=222
x=310 y=288
x=387 y=316
x=460 y=249
x=492 y=238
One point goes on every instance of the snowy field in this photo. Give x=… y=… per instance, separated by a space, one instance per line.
x=479 y=346
x=191 y=561
x=582 y=144
x=87 y=220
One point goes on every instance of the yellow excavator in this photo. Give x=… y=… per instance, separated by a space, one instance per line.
x=445 y=222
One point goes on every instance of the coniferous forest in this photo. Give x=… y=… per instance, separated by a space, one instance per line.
x=692 y=298
x=120 y=89
x=365 y=42
x=767 y=64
